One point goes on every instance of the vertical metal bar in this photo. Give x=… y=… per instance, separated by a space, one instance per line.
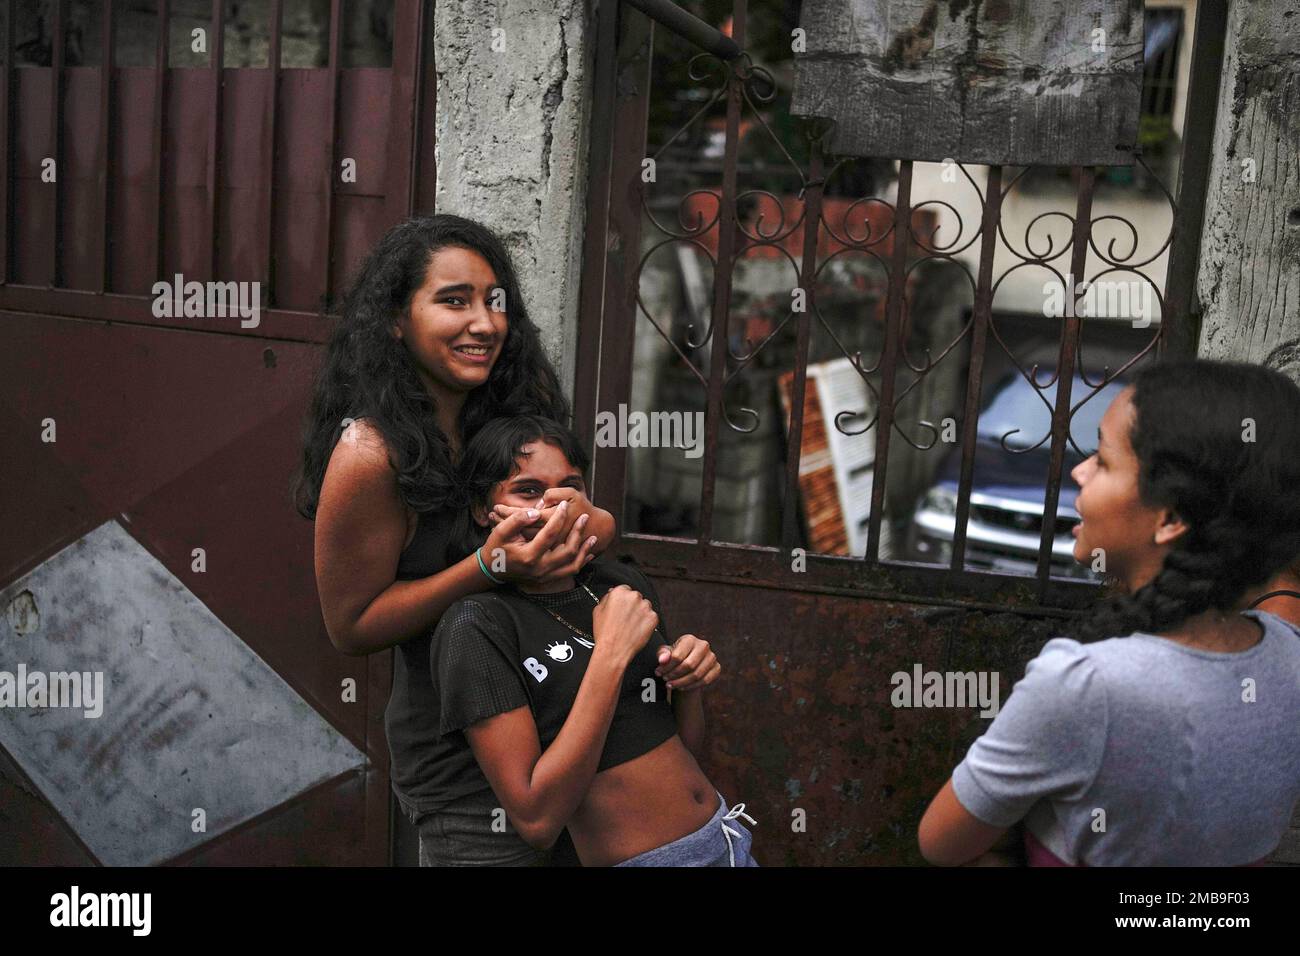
x=269 y=153
x=975 y=376
x=719 y=346
x=426 y=167
x=106 y=67
x=7 y=164
x=217 y=56
x=57 y=53
x=404 y=89
x=1065 y=374
x=336 y=30
x=798 y=389
x=888 y=361
x=594 y=247
x=1178 y=331
x=161 y=58
x=630 y=79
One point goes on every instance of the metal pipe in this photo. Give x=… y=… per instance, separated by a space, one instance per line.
x=689 y=27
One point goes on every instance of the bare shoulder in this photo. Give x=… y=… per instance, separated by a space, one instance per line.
x=360 y=455
x=360 y=478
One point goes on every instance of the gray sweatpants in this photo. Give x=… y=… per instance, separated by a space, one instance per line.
x=723 y=841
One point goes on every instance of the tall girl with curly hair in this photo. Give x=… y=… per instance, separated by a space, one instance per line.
x=1167 y=732
x=434 y=341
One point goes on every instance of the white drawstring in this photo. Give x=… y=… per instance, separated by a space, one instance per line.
x=737 y=811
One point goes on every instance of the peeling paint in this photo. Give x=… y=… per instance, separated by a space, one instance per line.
x=24 y=616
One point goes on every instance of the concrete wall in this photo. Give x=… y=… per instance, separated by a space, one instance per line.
x=1249 y=275
x=512 y=133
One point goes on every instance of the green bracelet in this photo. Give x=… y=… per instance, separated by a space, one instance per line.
x=483 y=567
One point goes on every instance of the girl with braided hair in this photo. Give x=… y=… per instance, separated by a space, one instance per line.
x=1165 y=731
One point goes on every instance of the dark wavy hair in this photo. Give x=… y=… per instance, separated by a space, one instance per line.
x=491 y=457
x=368 y=373
x=1241 y=499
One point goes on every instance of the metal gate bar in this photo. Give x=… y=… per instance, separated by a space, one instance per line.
x=603 y=383
x=162 y=57
x=991 y=213
x=269 y=153
x=58 y=52
x=216 y=58
x=105 y=150
x=719 y=348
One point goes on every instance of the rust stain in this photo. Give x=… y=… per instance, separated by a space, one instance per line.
x=802 y=719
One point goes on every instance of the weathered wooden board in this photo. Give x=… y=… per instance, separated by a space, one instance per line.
x=1020 y=82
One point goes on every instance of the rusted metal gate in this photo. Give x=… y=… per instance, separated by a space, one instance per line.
x=148 y=529
x=802 y=726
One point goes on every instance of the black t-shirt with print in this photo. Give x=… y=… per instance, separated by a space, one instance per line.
x=499 y=650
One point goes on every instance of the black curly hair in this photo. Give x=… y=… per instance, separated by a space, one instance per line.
x=1240 y=498
x=368 y=373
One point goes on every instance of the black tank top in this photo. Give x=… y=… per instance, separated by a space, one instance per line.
x=419 y=769
x=424 y=767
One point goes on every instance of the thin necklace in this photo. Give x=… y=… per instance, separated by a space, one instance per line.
x=587 y=640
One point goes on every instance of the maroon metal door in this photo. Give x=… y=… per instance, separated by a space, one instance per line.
x=149 y=535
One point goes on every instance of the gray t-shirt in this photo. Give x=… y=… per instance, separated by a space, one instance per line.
x=1138 y=751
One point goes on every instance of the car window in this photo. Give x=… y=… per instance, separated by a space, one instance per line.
x=1018 y=405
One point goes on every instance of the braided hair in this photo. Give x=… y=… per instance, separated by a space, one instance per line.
x=1218 y=443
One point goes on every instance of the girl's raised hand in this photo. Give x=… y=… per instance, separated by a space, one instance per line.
x=556 y=551
x=579 y=507
x=689 y=664
x=622 y=622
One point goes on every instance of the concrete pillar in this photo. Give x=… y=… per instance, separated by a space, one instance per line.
x=1249 y=273
x=514 y=92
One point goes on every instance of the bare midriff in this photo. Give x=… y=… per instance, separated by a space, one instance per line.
x=653 y=799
